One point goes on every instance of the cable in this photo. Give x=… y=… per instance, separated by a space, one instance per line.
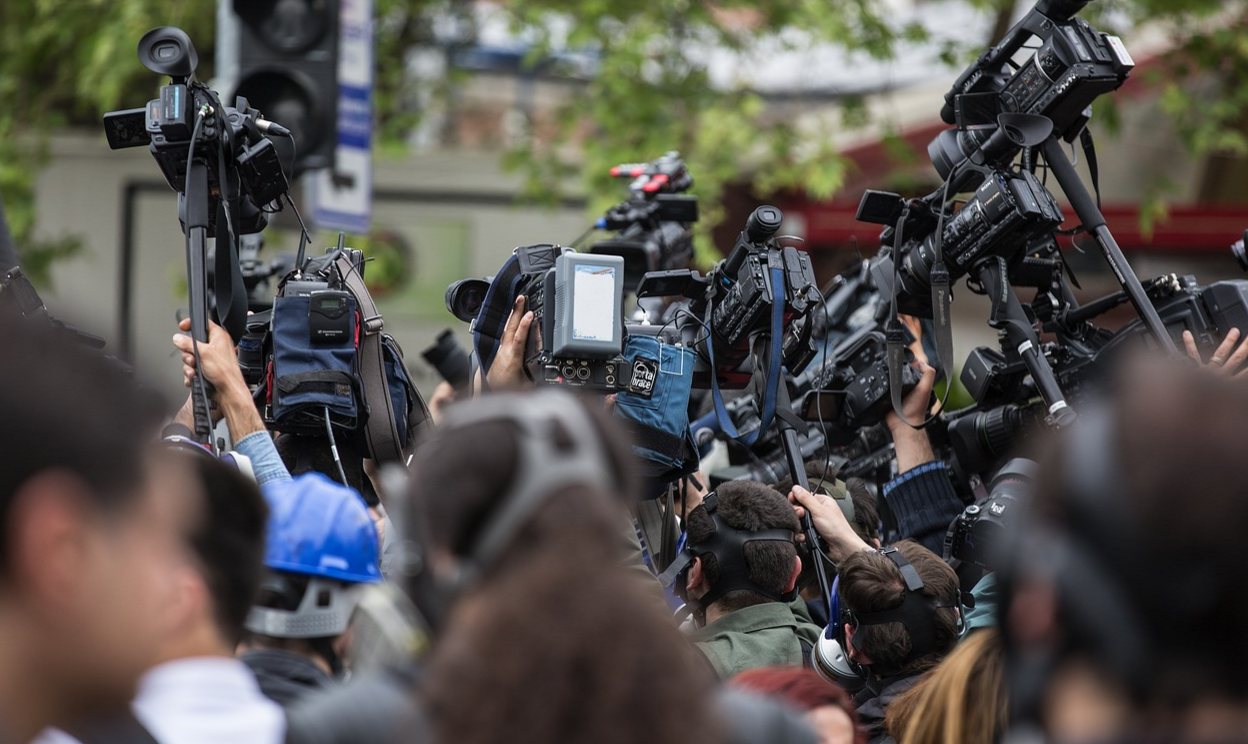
x=333 y=448
x=304 y=236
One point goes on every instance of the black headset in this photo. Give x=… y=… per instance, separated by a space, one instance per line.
x=727 y=544
x=917 y=613
x=558 y=446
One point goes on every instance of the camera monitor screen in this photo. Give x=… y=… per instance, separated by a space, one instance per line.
x=593 y=288
x=589 y=297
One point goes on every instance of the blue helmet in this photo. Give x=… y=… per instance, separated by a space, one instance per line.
x=323 y=532
x=320 y=528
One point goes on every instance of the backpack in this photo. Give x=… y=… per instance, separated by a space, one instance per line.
x=327 y=362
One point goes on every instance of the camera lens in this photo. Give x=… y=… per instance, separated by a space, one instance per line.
x=1237 y=250
x=465 y=297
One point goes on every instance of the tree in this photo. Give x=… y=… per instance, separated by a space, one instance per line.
x=65 y=63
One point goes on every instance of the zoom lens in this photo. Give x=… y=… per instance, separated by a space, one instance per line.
x=465 y=297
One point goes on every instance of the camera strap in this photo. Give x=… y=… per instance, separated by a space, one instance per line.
x=228 y=287
x=487 y=329
x=381 y=432
x=775 y=270
x=896 y=335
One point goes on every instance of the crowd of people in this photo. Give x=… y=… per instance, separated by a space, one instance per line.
x=496 y=588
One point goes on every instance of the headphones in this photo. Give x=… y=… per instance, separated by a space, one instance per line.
x=916 y=613
x=727 y=544
x=558 y=446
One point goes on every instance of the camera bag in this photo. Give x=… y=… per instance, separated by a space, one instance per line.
x=358 y=378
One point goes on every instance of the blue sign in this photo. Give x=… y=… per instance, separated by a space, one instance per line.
x=342 y=196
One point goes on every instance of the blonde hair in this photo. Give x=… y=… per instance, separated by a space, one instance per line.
x=960 y=701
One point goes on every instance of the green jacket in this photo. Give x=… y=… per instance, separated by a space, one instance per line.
x=757 y=636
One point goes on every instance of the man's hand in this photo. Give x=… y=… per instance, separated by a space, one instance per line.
x=507 y=370
x=217 y=359
x=912 y=445
x=443 y=395
x=1227 y=358
x=219 y=364
x=829 y=522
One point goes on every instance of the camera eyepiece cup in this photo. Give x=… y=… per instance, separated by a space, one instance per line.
x=167 y=50
x=465 y=297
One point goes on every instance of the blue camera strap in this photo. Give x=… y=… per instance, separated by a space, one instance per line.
x=775 y=363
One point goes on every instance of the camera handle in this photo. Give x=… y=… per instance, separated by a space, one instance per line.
x=197 y=288
x=1094 y=222
x=1008 y=317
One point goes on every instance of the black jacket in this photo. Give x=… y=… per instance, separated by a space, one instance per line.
x=285 y=677
x=873 y=701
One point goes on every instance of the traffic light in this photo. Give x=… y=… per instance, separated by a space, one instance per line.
x=288 y=69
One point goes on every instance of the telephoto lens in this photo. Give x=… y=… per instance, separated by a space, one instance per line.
x=450 y=360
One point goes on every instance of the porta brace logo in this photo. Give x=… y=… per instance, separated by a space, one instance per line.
x=645 y=374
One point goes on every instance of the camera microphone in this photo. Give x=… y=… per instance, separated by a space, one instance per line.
x=272 y=127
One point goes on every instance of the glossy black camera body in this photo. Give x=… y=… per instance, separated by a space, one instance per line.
x=854 y=392
x=1008 y=213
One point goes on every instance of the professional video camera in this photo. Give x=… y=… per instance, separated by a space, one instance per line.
x=226 y=172
x=1002 y=109
x=975 y=535
x=188 y=122
x=761 y=291
x=578 y=332
x=655 y=223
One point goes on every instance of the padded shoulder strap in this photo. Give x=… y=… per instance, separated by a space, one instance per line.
x=381 y=431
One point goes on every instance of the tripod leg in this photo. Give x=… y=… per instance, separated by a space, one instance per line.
x=1008 y=315
x=1092 y=219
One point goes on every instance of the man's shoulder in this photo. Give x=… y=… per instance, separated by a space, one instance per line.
x=755 y=636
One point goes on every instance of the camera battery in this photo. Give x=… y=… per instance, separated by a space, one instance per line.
x=329 y=317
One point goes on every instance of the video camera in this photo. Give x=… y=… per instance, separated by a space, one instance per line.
x=655 y=223
x=188 y=122
x=975 y=535
x=1073 y=65
x=578 y=332
x=761 y=290
x=1007 y=215
x=225 y=171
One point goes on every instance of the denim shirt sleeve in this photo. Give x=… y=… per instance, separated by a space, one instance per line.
x=265 y=462
x=924 y=503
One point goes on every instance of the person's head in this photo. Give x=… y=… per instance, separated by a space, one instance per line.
x=321 y=551
x=90 y=525
x=523 y=451
x=961 y=701
x=770 y=563
x=226 y=547
x=1123 y=587
x=827 y=708
x=871 y=583
x=520 y=499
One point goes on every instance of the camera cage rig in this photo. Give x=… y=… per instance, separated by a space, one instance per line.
x=224 y=169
